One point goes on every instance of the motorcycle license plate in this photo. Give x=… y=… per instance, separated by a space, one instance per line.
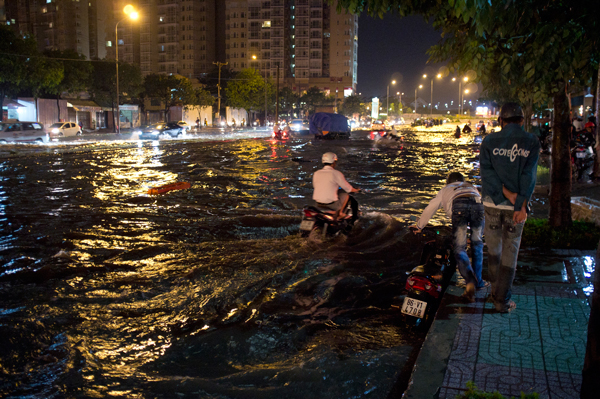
x=307 y=225
x=581 y=154
x=414 y=307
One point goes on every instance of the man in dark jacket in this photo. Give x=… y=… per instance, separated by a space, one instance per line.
x=508 y=161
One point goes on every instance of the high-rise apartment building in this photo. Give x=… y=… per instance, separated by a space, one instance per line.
x=57 y=24
x=310 y=43
x=171 y=36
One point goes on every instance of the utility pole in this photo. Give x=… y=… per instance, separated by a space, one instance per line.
x=219 y=64
x=277 y=98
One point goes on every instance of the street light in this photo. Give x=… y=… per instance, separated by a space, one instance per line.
x=133 y=15
x=387 y=107
x=420 y=87
x=460 y=92
x=439 y=75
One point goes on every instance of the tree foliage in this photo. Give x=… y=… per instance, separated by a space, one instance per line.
x=527 y=50
x=288 y=101
x=247 y=90
x=19 y=63
x=353 y=105
x=314 y=98
x=103 y=86
x=174 y=90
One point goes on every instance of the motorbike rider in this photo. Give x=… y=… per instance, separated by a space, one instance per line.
x=327 y=193
x=467 y=128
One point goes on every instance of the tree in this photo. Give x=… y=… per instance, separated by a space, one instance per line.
x=171 y=90
x=288 y=101
x=314 y=98
x=246 y=90
x=103 y=87
x=15 y=53
x=353 y=105
x=76 y=73
x=532 y=49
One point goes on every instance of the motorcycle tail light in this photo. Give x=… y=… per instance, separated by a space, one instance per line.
x=422 y=283
x=308 y=213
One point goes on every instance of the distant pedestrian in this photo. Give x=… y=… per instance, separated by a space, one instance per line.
x=508 y=161
x=467 y=128
x=205 y=122
x=197 y=123
x=457 y=132
x=243 y=122
x=462 y=203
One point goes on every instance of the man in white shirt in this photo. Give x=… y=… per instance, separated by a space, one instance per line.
x=462 y=203
x=327 y=183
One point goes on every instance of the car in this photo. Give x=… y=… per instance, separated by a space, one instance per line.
x=299 y=125
x=22 y=132
x=64 y=129
x=186 y=127
x=161 y=130
x=380 y=125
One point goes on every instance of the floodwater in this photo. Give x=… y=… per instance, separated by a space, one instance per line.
x=210 y=292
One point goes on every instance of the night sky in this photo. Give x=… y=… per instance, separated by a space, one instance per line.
x=395 y=47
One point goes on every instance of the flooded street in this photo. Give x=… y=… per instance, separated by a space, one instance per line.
x=210 y=292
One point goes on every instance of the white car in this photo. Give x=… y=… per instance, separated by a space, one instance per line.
x=22 y=132
x=299 y=125
x=64 y=129
x=184 y=125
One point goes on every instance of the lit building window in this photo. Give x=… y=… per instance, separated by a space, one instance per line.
x=109 y=44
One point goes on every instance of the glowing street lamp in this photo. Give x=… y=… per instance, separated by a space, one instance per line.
x=132 y=14
x=465 y=79
x=439 y=76
x=387 y=107
x=420 y=87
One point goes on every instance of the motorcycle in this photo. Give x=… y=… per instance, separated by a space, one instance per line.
x=316 y=218
x=582 y=156
x=280 y=134
x=426 y=283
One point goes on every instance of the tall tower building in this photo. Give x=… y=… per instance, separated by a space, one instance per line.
x=310 y=43
x=171 y=36
x=56 y=24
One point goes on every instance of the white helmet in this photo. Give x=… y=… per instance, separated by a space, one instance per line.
x=329 y=157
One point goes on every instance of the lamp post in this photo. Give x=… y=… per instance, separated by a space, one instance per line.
x=387 y=99
x=467 y=92
x=439 y=75
x=416 y=106
x=460 y=92
x=131 y=14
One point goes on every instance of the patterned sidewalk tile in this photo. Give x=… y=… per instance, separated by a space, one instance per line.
x=563 y=327
x=510 y=381
x=512 y=339
x=564 y=385
x=458 y=374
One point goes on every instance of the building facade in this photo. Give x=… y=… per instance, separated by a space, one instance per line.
x=171 y=36
x=307 y=40
x=56 y=24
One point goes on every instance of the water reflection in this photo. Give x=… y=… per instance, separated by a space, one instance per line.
x=115 y=292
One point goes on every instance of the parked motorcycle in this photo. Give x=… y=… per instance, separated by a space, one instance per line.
x=325 y=221
x=426 y=283
x=582 y=155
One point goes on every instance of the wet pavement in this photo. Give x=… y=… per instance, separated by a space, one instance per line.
x=538 y=347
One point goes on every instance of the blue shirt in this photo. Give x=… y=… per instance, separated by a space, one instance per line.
x=509 y=157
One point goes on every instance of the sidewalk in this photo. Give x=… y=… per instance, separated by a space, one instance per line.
x=539 y=347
